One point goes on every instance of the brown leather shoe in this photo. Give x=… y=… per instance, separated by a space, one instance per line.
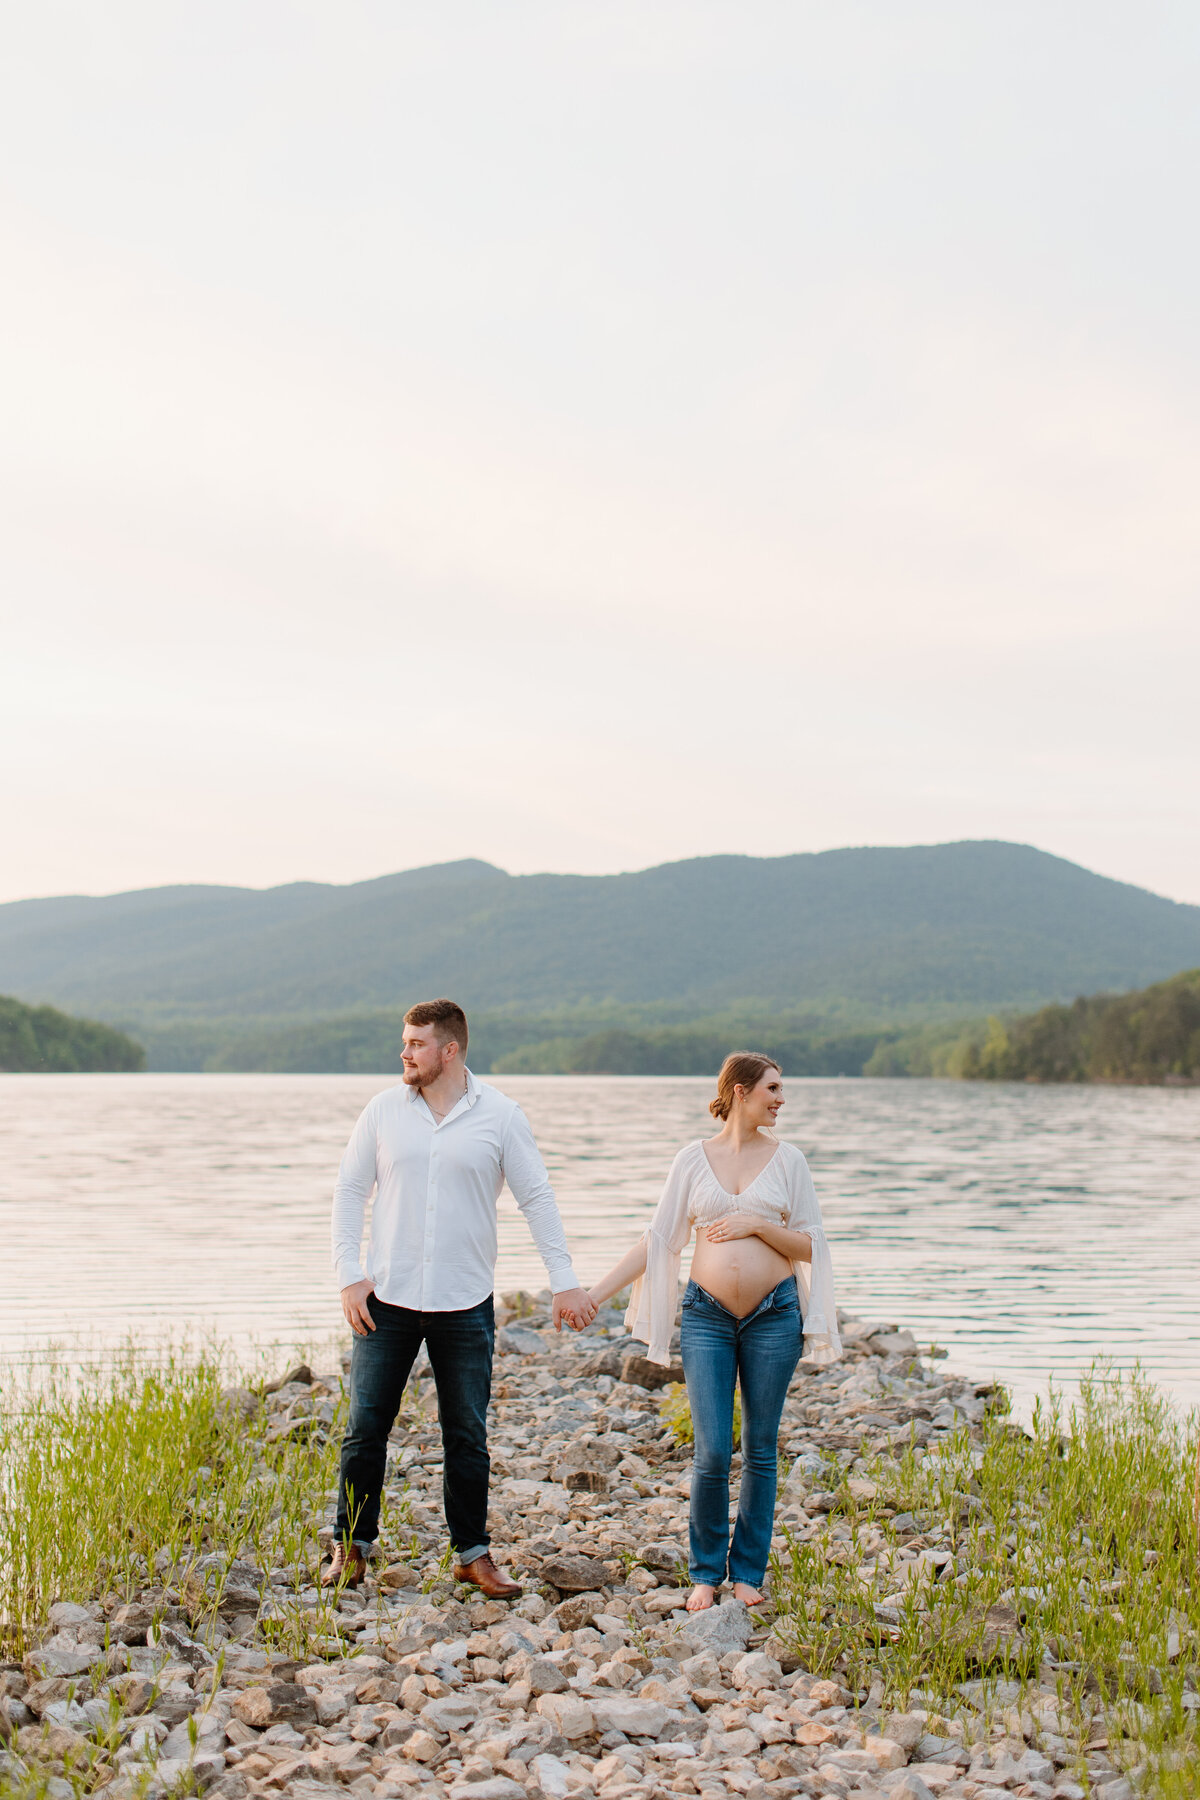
x=347 y=1567
x=483 y=1574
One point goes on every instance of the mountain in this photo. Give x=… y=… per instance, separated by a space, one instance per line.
x=40 y=1040
x=883 y=933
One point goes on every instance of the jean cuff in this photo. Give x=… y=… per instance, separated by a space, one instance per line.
x=469 y=1556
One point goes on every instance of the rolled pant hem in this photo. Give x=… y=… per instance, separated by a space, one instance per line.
x=470 y=1556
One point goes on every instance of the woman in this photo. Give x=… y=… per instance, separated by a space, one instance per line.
x=758 y=1227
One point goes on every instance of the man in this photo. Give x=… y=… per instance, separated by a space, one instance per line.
x=437 y=1150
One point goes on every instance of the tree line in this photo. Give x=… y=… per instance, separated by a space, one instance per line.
x=42 y=1040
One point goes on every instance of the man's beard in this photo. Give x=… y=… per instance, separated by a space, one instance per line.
x=414 y=1079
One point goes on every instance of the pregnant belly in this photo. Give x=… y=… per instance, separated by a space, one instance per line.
x=739 y=1274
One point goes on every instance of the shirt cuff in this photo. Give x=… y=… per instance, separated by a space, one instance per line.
x=563 y=1278
x=348 y=1272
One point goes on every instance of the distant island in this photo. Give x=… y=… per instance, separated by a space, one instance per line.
x=42 y=1040
x=875 y=960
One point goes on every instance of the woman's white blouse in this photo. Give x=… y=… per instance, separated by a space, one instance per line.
x=782 y=1193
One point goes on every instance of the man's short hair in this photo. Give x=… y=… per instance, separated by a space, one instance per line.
x=446 y=1016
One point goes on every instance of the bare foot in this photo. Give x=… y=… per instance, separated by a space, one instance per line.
x=748 y=1595
x=700 y=1598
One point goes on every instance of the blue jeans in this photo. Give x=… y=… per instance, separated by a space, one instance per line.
x=460 y=1354
x=760 y=1352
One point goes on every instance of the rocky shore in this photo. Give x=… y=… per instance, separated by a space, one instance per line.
x=231 y=1678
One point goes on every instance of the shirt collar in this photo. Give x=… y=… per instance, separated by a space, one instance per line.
x=472 y=1094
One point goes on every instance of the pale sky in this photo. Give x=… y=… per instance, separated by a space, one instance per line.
x=587 y=435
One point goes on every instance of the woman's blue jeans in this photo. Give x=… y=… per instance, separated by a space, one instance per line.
x=759 y=1352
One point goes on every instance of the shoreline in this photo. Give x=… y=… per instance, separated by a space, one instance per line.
x=597 y=1685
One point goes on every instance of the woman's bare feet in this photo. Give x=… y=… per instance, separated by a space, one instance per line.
x=749 y=1596
x=700 y=1598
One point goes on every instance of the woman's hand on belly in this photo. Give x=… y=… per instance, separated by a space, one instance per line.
x=737 y=1225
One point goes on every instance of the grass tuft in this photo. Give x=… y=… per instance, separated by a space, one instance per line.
x=121 y=1477
x=1062 y=1558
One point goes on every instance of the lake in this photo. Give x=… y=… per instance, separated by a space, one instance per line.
x=1025 y=1229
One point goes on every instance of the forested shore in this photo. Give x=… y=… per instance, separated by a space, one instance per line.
x=42 y=1040
x=1151 y=1037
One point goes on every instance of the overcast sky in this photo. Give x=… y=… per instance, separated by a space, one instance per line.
x=587 y=435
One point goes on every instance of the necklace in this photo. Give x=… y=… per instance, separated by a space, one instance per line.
x=439 y=1116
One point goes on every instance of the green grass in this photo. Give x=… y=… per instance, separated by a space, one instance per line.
x=114 y=1477
x=1084 y=1526
x=139 y=1465
x=676 y=1414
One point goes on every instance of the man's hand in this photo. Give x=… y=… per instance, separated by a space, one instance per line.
x=576 y=1307
x=354 y=1306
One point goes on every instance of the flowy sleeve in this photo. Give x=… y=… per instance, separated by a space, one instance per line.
x=654 y=1296
x=815 y=1281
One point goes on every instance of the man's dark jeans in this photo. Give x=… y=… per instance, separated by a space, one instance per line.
x=460 y=1353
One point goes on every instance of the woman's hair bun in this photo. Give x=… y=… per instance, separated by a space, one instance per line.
x=745 y=1068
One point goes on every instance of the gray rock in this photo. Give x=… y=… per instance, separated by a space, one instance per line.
x=636 y=1718
x=519 y=1341
x=605 y=1362
x=494 y=1787
x=210 y=1735
x=905 y=1784
x=721 y=1628
x=574 y=1574
x=239 y=1403
x=662 y=1554
x=280 y=1703
x=449 y=1714
x=13 y=1715
x=544 y=1676
x=51 y=1660
x=907 y=1729
x=553 y=1776
x=68 y=1612
x=579 y=1610
x=131 y=1623
x=181 y=1647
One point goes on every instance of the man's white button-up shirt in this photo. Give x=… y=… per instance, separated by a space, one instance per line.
x=433 y=1224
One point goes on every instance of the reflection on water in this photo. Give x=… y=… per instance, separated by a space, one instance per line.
x=1025 y=1229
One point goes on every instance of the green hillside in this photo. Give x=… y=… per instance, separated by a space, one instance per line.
x=558 y=1044
x=850 y=939
x=1148 y=1037
x=41 y=1040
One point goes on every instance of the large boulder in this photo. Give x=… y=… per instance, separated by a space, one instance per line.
x=574 y=1574
x=639 y=1371
x=719 y=1629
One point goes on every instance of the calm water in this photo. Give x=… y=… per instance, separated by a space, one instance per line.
x=1025 y=1229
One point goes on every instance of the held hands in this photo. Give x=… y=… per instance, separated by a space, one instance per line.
x=354 y=1306
x=737 y=1225
x=576 y=1306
